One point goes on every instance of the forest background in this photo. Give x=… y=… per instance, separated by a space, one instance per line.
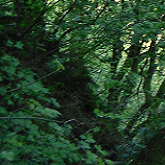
x=82 y=82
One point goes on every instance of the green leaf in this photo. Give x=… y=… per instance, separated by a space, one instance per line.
x=109 y=162
x=161 y=44
x=56 y=104
x=19 y=45
x=34 y=129
x=96 y=111
x=37 y=87
x=92 y=158
x=99 y=149
x=33 y=102
x=96 y=129
x=48 y=112
x=83 y=137
x=84 y=144
x=89 y=138
x=10 y=102
x=2 y=90
x=59 y=64
x=52 y=112
x=3 y=111
x=9 y=155
x=9 y=43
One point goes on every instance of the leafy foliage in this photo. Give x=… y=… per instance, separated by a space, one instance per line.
x=82 y=82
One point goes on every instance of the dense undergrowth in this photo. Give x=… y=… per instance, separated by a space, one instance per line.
x=82 y=82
